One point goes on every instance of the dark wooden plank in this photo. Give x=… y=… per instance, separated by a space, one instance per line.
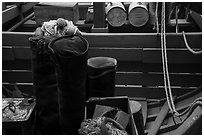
x=175 y=68
x=25 y=88
x=148 y=92
x=117 y=40
x=16 y=38
x=160 y=118
x=118 y=53
x=121 y=54
x=121 y=78
x=141 y=92
x=8 y=54
x=176 y=79
x=173 y=55
x=24 y=76
x=124 y=54
x=99 y=14
x=123 y=66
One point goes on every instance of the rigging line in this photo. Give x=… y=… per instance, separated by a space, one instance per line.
x=188 y=47
x=165 y=57
x=163 y=60
x=166 y=74
x=157 y=20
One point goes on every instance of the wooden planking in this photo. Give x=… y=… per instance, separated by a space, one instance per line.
x=117 y=40
x=8 y=53
x=118 y=53
x=176 y=79
x=159 y=120
x=16 y=65
x=16 y=38
x=143 y=92
x=13 y=12
x=25 y=88
x=12 y=76
x=122 y=78
x=149 y=92
x=173 y=56
x=175 y=68
x=121 y=54
x=123 y=66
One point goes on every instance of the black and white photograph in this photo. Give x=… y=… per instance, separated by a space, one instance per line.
x=101 y=68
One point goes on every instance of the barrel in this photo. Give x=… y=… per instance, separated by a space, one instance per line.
x=116 y=14
x=138 y=14
x=101 y=76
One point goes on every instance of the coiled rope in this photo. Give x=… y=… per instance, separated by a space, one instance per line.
x=167 y=84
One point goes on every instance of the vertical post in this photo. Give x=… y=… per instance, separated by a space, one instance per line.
x=176 y=19
x=99 y=14
x=3 y=6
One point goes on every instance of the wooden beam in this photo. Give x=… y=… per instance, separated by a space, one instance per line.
x=21 y=22
x=117 y=40
x=160 y=118
x=121 y=78
x=122 y=54
x=99 y=14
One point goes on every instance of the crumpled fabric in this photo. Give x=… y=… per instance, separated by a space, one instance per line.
x=101 y=126
x=50 y=28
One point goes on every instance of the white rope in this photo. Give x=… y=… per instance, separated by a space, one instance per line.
x=156 y=14
x=166 y=65
x=188 y=47
x=163 y=56
x=167 y=84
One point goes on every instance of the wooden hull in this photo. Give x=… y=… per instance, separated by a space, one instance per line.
x=139 y=72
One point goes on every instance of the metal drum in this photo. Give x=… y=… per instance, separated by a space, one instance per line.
x=138 y=14
x=116 y=14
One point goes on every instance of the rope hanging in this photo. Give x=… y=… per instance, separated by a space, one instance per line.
x=188 y=47
x=166 y=75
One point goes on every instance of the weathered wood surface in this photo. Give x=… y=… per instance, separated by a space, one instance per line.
x=139 y=69
x=13 y=12
x=117 y=40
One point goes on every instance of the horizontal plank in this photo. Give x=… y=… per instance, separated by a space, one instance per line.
x=149 y=92
x=176 y=79
x=124 y=66
x=173 y=56
x=25 y=88
x=122 y=78
x=143 y=92
x=13 y=12
x=121 y=54
x=118 y=53
x=117 y=40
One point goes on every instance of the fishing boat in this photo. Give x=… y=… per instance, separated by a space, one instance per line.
x=141 y=69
